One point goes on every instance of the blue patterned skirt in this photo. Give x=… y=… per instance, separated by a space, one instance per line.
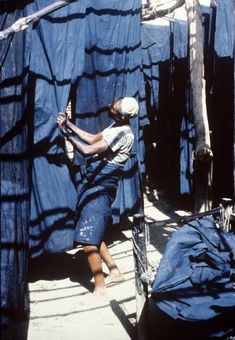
x=94 y=211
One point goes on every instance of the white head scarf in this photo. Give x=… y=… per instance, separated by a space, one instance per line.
x=129 y=107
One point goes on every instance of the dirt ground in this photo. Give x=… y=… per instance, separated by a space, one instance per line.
x=60 y=285
x=59 y=295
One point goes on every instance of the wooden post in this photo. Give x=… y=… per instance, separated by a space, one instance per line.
x=227 y=204
x=232 y=223
x=140 y=262
x=202 y=153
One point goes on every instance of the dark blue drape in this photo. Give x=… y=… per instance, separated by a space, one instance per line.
x=14 y=65
x=113 y=69
x=163 y=40
x=224 y=32
x=88 y=52
x=57 y=58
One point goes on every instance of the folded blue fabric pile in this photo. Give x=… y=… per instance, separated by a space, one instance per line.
x=194 y=279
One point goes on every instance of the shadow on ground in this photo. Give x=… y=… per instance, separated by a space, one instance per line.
x=58 y=266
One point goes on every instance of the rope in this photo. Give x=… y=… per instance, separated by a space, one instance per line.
x=148 y=275
x=23 y=23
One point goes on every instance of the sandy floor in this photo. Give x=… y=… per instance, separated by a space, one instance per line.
x=60 y=306
x=60 y=286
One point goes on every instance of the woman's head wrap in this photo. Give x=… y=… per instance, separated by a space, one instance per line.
x=129 y=107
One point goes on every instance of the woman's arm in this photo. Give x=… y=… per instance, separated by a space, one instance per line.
x=97 y=147
x=87 y=149
x=85 y=136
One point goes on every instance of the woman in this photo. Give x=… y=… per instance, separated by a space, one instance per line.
x=108 y=151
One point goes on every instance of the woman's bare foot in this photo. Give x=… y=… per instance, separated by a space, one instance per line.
x=114 y=277
x=98 y=297
x=99 y=292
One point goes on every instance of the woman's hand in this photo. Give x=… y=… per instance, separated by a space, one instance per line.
x=61 y=120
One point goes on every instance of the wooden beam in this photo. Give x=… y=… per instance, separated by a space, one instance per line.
x=202 y=154
x=154 y=11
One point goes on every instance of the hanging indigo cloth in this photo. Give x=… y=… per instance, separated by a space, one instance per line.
x=163 y=42
x=98 y=75
x=187 y=136
x=194 y=280
x=57 y=58
x=224 y=32
x=156 y=38
x=113 y=69
x=155 y=44
x=14 y=64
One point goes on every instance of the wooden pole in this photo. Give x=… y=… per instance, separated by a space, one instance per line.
x=140 y=263
x=202 y=154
